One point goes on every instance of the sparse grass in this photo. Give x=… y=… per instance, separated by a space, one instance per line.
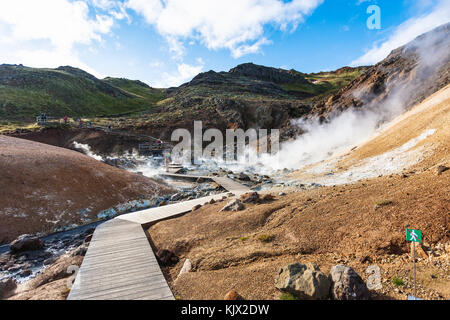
x=243 y=239
x=287 y=297
x=266 y=238
x=398 y=282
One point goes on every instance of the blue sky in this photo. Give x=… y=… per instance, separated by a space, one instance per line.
x=166 y=43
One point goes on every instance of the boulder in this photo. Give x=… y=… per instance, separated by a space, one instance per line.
x=7 y=286
x=346 y=284
x=233 y=295
x=305 y=281
x=26 y=243
x=235 y=205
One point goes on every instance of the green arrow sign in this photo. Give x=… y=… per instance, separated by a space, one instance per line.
x=414 y=235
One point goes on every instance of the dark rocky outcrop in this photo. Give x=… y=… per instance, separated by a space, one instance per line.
x=269 y=74
x=26 y=243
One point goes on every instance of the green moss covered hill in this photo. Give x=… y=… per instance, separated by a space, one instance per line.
x=27 y=92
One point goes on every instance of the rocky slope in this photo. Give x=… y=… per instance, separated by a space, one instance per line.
x=406 y=77
x=44 y=189
x=358 y=219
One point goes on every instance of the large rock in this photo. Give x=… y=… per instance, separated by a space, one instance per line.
x=346 y=284
x=26 y=243
x=305 y=281
x=233 y=295
x=7 y=286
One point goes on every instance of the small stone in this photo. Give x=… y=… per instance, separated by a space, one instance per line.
x=282 y=194
x=26 y=273
x=234 y=206
x=233 y=295
x=243 y=177
x=88 y=239
x=49 y=261
x=187 y=267
x=442 y=169
x=251 y=197
x=195 y=208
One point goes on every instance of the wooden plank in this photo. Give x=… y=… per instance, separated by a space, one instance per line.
x=109 y=271
x=120 y=263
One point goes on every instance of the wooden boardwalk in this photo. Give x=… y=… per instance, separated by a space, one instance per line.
x=120 y=263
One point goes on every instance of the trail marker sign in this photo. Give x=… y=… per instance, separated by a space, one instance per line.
x=414 y=235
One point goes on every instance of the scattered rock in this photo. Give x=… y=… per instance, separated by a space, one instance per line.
x=195 y=208
x=251 y=197
x=282 y=194
x=346 y=284
x=235 y=205
x=26 y=243
x=80 y=251
x=162 y=203
x=243 y=177
x=88 y=238
x=442 y=169
x=233 y=295
x=166 y=257
x=49 y=261
x=7 y=286
x=365 y=259
x=212 y=201
x=305 y=281
x=187 y=267
x=26 y=273
x=267 y=198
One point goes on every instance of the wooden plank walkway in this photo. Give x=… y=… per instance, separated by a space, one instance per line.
x=120 y=263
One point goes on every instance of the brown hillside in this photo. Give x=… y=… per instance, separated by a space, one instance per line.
x=43 y=188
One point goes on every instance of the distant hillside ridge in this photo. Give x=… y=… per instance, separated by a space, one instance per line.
x=26 y=92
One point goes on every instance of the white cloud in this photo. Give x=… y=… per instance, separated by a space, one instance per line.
x=183 y=73
x=217 y=24
x=43 y=33
x=406 y=32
